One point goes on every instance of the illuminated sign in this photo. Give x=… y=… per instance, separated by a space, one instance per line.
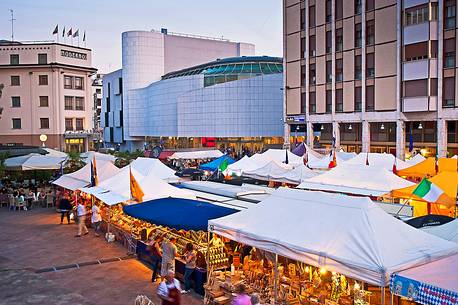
x=71 y=54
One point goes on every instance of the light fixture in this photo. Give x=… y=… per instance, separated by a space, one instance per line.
x=382 y=127
x=307 y=269
x=322 y=126
x=350 y=127
x=323 y=271
x=297 y=127
x=357 y=287
x=420 y=126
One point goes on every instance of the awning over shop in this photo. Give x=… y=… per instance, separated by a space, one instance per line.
x=215 y=164
x=356 y=179
x=196 y=155
x=178 y=213
x=348 y=235
x=435 y=283
x=34 y=161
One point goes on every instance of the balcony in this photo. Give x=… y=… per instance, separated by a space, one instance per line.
x=418 y=69
x=416 y=33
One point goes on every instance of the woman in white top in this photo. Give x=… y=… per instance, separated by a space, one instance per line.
x=96 y=219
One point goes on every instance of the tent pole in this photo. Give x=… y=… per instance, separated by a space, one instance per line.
x=109 y=219
x=391 y=299
x=276 y=279
x=382 y=295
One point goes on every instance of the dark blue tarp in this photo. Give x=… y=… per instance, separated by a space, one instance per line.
x=213 y=165
x=177 y=213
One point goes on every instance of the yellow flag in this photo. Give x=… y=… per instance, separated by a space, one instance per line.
x=135 y=189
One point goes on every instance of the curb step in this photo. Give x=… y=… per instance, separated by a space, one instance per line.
x=83 y=264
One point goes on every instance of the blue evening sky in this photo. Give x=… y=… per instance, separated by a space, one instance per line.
x=254 y=21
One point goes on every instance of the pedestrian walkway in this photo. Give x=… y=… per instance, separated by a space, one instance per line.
x=42 y=263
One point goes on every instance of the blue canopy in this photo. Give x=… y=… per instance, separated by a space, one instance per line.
x=214 y=165
x=177 y=213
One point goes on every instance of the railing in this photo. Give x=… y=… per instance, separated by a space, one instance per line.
x=192 y=36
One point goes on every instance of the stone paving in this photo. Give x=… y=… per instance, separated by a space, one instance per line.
x=32 y=240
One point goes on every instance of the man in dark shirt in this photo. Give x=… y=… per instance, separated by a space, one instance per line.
x=65 y=209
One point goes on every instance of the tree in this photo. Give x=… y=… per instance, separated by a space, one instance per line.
x=3 y=157
x=74 y=161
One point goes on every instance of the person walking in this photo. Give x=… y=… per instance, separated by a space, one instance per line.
x=81 y=212
x=169 y=252
x=154 y=248
x=65 y=208
x=96 y=219
x=242 y=298
x=169 y=290
x=255 y=299
x=190 y=257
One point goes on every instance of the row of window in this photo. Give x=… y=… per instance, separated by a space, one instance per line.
x=73 y=103
x=16 y=101
x=17 y=123
x=73 y=82
x=42 y=59
x=428 y=49
x=429 y=12
x=370 y=100
x=15 y=80
x=44 y=124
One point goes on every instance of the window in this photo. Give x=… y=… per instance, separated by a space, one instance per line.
x=414 y=88
x=68 y=124
x=312 y=45
x=303 y=47
x=303 y=75
x=15 y=80
x=370 y=98
x=328 y=101
x=312 y=14
x=44 y=123
x=79 y=103
x=433 y=48
x=339 y=70
x=312 y=102
x=370 y=32
x=42 y=59
x=449 y=92
x=15 y=101
x=416 y=15
x=416 y=51
x=339 y=40
x=44 y=102
x=42 y=80
x=358 y=36
x=79 y=124
x=312 y=74
x=68 y=100
x=328 y=71
x=14 y=59
x=328 y=41
x=98 y=91
x=358 y=67
x=450 y=14
x=339 y=100
x=16 y=123
x=303 y=102
x=358 y=6
x=68 y=82
x=328 y=10
x=339 y=9
x=434 y=11
x=358 y=99
x=370 y=65
x=449 y=53
x=370 y=5
x=78 y=83
x=302 y=19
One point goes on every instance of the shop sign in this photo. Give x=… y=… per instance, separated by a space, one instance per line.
x=72 y=54
x=295 y=119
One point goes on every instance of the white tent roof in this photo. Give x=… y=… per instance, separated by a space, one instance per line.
x=268 y=171
x=199 y=154
x=279 y=155
x=448 y=231
x=55 y=153
x=349 y=235
x=82 y=177
x=89 y=155
x=244 y=164
x=151 y=165
x=356 y=179
x=34 y=161
x=416 y=159
x=345 y=156
x=297 y=175
x=378 y=160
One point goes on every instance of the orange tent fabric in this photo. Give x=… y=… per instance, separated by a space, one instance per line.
x=448 y=165
x=426 y=168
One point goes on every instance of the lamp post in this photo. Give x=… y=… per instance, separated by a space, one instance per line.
x=43 y=139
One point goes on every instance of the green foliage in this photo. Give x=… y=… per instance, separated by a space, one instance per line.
x=3 y=157
x=125 y=157
x=74 y=162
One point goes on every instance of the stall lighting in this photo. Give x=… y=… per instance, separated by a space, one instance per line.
x=423 y=151
x=322 y=126
x=307 y=269
x=297 y=127
x=357 y=287
x=420 y=126
x=323 y=271
x=382 y=127
x=350 y=127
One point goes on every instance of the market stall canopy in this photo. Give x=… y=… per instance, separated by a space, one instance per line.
x=55 y=153
x=357 y=180
x=117 y=189
x=149 y=165
x=34 y=162
x=82 y=177
x=377 y=160
x=274 y=171
x=416 y=159
x=302 y=148
x=447 y=181
x=428 y=221
x=323 y=162
x=345 y=234
x=89 y=155
x=198 y=154
x=345 y=156
x=435 y=283
x=244 y=164
x=215 y=164
x=279 y=155
x=180 y=214
x=428 y=168
x=296 y=175
x=447 y=165
x=448 y=231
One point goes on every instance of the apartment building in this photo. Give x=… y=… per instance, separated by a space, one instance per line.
x=47 y=90
x=370 y=75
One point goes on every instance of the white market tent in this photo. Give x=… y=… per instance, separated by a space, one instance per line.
x=34 y=161
x=82 y=177
x=348 y=235
x=244 y=164
x=279 y=155
x=357 y=180
x=416 y=159
x=55 y=153
x=378 y=160
x=198 y=154
x=323 y=162
x=150 y=165
x=297 y=175
x=448 y=231
x=89 y=156
x=274 y=171
x=345 y=156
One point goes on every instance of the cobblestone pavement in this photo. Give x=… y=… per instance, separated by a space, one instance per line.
x=34 y=240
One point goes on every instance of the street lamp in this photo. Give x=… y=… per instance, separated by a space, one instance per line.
x=43 y=139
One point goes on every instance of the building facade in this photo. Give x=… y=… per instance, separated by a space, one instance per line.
x=228 y=102
x=47 y=90
x=372 y=75
x=148 y=55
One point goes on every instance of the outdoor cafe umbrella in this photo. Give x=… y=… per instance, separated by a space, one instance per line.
x=34 y=161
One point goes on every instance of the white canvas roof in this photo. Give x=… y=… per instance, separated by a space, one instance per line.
x=356 y=179
x=199 y=154
x=279 y=155
x=349 y=235
x=345 y=156
x=89 y=155
x=378 y=160
x=416 y=159
x=448 y=231
x=160 y=170
x=297 y=175
x=274 y=171
x=244 y=164
x=55 y=153
x=34 y=161
x=82 y=177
